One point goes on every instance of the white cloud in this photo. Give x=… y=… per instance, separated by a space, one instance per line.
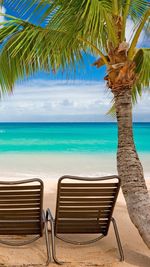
x=130 y=30
x=39 y=100
x=143 y=104
x=2 y=10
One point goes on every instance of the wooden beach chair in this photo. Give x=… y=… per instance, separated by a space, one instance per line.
x=84 y=206
x=21 y=213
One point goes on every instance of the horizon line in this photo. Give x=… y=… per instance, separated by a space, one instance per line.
x=69 y=122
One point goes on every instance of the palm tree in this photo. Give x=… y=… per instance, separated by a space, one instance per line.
x=71 y=29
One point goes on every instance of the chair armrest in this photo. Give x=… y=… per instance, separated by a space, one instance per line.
x=49 y=216
x=43 y=216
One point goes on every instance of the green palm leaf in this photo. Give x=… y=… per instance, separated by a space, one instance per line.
x=142 y=61
x=73 y=28
x=33 y=48
x=138 y=8
x=84 y=16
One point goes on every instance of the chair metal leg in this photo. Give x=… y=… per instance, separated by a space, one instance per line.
x=49 y=257
x=50 y=219
x=118 y=239
x=53 y=244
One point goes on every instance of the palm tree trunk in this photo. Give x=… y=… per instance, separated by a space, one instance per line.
x=129 y=167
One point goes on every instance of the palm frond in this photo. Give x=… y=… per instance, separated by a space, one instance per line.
x=85 y=16
x=33 y=48
x=73 y=28
x=142 y=61
x=33 y=10
x=135 y=8
x=23 y=7
x=91 y=19
x=138 y=31
x=138 y=8
x=112 y=111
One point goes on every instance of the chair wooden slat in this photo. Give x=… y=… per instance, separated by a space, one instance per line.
x=80 y=194
x=82 y=215
x=91 y=185
x=82 y=209
x=18 y=212
x=19 y=224
x=84 y=230
x=21 y=217
x=85 y=199
x=34 y=205
x=20 y=201
x=19 y=193
x=19 y=187
x=86 y=204
x=82 y=222
x=16 y=231
x=87 y=190
x=19 y=197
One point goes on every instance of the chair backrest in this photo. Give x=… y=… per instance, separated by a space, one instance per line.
x=85 y=205
x=21 y=205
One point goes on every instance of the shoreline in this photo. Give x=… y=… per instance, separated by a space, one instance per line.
x=54 y=165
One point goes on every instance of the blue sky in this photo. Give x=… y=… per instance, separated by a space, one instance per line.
x=51 y=97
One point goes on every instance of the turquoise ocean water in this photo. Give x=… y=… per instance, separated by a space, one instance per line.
x=67 y=137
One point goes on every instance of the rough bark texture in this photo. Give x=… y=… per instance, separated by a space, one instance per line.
x=120 y=78
x=129 y=167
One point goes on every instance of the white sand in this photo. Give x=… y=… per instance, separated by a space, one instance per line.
x=55 y=165
x=104 y=253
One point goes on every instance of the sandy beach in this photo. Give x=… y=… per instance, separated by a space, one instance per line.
x=53 y=165
x=103 y=253
x=72 y=77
